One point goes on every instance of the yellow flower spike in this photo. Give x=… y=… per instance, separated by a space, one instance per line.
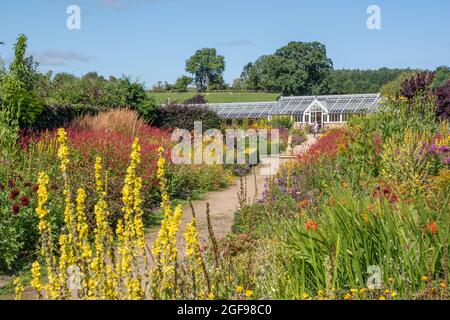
x=36 y=282
x=63 y=151
x=41 y=209
x=18 y=288
x=347 y=296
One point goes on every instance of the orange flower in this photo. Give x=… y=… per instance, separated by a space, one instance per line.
x=302 y=204
x=370 y=207
x=432 y=227
x=310 y=224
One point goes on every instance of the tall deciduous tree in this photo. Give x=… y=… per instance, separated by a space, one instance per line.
x=207 y=67
x=297 y=68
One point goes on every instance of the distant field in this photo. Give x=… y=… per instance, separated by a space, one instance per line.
x=217 y=97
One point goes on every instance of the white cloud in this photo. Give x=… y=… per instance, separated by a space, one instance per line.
x=54 y=57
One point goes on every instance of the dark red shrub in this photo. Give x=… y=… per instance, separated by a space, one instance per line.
x=197 y=99
x=443 y=101
x=417 y=85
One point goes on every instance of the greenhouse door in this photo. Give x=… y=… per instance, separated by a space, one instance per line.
x=316 y=116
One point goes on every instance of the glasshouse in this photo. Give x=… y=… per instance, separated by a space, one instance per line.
x=325 y=110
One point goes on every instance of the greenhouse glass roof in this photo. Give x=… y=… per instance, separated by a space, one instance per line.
x=356 y=103
x=249 y=110
x=337 y=104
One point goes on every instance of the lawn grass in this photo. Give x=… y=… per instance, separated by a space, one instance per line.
x=217 y=97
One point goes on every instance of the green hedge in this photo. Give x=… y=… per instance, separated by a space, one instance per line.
x=182 y=116
x=56 y=116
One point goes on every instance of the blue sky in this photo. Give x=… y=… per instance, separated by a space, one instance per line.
x=151 y=39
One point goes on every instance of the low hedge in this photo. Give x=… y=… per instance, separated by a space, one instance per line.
x=173 y=116
x=56 y=116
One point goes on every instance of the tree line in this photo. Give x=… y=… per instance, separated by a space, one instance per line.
x=299 y=68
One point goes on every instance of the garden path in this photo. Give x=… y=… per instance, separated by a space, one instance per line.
x=224 y=203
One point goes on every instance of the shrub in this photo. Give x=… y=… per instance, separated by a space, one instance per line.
x=420 y=84
x=56 y=116
x=282 y=122
x=19 y=100
x=197 y=99
x=443 y=101
x=298 y=137
x=183 y=117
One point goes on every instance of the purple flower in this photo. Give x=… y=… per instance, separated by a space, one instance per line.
x=447 y=161
x=444 y=149
x=432 y=148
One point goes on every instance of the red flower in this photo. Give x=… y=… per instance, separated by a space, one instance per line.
x=25 y=201
x=393 y=198
x=10 y=184
x=432 y=227
x=377 y=143
x=310 y=224
x=15 y=208
x=13 y=194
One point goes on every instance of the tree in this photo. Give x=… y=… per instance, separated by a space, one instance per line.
x=207 y=67
x=394 y=87
x=299 y=68
x=442 y=75
x=182 y=83
x=2 y=65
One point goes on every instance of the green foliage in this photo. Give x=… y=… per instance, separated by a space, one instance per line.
x=207 y=67
x=9 y=133
x=347 y=81
x=20 y=100
x=350 y=238
x=182 y=83
x=299 y=68
x=57 y=116
x=17 y=88
x=394 y=87
x=281 y=122
x=442 y=75
x=183 y=117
